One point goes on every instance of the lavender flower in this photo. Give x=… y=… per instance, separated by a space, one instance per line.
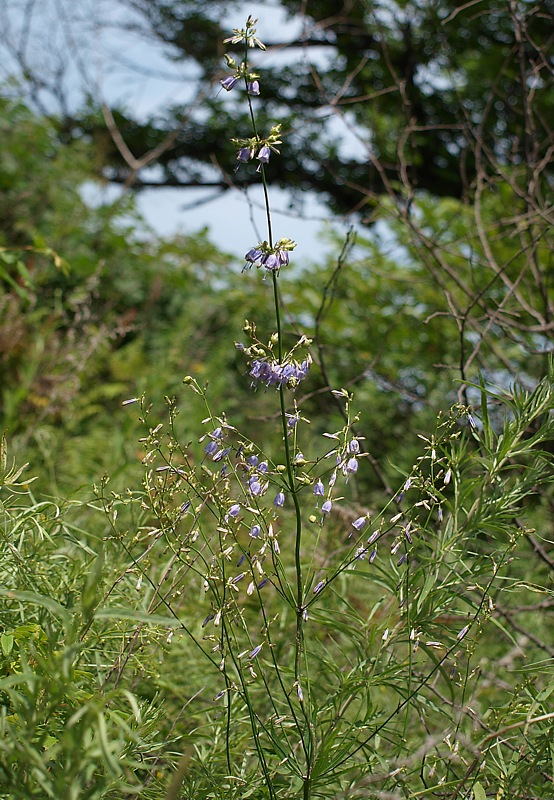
x=359 y=523
x=255 y=651
x=352 y=465
x=354 y=446
x=263 y=154
x=254 y=88
x=234 y=511
x=252 y=461
x=255 y=531
x=229 y=82
x=211 y=448
x=279 y=501
x=253 y=256
x=270 y=261
x=319 y=488
x=326 y=507
x=222 y=454
x=255 y=488
x=319 y=586
x=261 y=371
x=243 y=156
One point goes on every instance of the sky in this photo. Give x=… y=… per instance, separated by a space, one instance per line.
x=99 y=45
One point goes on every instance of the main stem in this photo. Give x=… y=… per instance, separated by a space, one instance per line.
x=290 y=475
x=298 y=540
x=293 y=491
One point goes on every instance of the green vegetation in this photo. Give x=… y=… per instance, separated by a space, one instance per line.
x=166 y=629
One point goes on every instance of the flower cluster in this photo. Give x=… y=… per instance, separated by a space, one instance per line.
x=271 y=373
x=271 y=258
x=346 y=464
x=246 y=154
x=256 y=147
x=252 y=85
x=252 y=488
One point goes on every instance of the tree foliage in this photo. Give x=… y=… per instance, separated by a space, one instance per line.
x=415 y=86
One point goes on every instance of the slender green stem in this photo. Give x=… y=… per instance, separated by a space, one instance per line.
x=288 y=458
x=269 y=230
x=262 y=172
x=299 y=637
x=291 y=481
x=252 y=715
x=294 y=495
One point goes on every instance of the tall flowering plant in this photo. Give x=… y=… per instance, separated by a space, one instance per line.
x=329 y=627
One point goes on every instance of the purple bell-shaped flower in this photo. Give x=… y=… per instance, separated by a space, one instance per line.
x=229 y=82
x=263 y=156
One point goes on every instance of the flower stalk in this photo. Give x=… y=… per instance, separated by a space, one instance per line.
x=272 y=257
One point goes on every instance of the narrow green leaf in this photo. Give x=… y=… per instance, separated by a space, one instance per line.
x=136 y=616
x=105 y=746
x=6 y=643
x=38 y=600
x=478 y=792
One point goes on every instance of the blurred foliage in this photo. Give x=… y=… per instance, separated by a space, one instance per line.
x=124 y=312
x=121 y=312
